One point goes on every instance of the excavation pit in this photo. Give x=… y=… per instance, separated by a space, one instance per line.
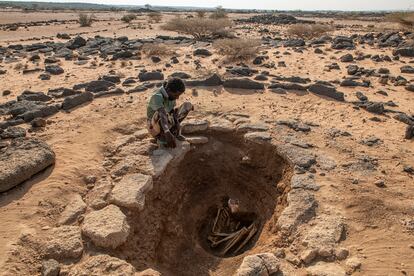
x=173 y=233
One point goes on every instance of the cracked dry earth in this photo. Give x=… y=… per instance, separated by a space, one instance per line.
x=328 y=182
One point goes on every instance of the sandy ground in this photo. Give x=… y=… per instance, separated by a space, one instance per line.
x=375 y=217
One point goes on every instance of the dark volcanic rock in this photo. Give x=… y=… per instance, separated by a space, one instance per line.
x=242 y=71
x=13 y=132
x=125 y=54
x=287 y=86
x=54 y=69
x=33 y=96
x=353 y=83
x=202 y=52
x=213 y=80
x=75 y=100
x=376 y=108
x=22 y=159
x=148 y=76
x=43 y=111
x=180 y=75
x=280 y=19
x=407 y=69
x=342 y=42
x=62 y=92
x=76 y=43
x=327 y=91
x=243 y=83
x=294 y=43
x=111 y=78
x=98 y=86
x=361 y=96
x=347 y=58
x=406 y=49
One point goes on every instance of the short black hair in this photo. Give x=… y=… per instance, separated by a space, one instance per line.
x=175 y=85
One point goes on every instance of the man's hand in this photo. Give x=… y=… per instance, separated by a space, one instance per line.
x=170 y=139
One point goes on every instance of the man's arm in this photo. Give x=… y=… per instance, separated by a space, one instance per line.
x=169 y=137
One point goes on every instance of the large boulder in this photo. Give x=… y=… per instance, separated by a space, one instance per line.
x=98 y=86
x=33 y=96
x=264 y=264
x=149 y=76
x=213 y=80
x=22 y=159
x=54 y=69
x=107 y=227
x=243 y=83
x=405 y=49
x=130 y=191
x=76 y=43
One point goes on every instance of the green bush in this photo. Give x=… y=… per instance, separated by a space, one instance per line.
x=199 y=28
x=128 y=17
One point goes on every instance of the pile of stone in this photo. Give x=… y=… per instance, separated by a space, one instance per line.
x=275 y=19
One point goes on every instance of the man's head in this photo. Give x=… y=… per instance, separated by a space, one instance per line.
x=174 y=87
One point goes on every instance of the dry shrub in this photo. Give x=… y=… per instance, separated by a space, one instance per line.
x=201 y=14
x=155 y=17
x=128 y=17
x=199 y=28
x=238 y=48
x=218 y=13
x=308 y=31
x=152 y=49
x=85 y=20
x=406 y=19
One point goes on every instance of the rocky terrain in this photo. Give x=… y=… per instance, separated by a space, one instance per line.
x=313 y=135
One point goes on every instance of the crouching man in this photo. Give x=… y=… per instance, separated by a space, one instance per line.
x=163 y=119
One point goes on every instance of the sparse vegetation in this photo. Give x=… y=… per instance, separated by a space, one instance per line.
x=405 y=19
x=237 y=49
x=152 y=49
x=201 y=14
x=85 y=20
x=308 y=31
x=219 y=13
x=128 y=17
x=199 y=28
x=155 y=17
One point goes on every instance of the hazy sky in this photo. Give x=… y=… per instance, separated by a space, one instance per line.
x=270 y=4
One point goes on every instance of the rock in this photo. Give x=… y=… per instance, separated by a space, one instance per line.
x=376 y=108
x=410 y=87
x=325 y=235
x=13 y=132
x=38 y=122
x=258 y=137
x=130 y=191
x=73 y=209
x=124 y=54
x=63 y=36
x=342 y=42
x=180 y=75
x=98 y=86
x=361 y=96
x=22 y=159
x=325 y=269
x=308 y=256
x=407 y=69
x=96 y=198
x=221 y=125
x=341 y=253
x=102 y=265
x=274 y=19
x=295 y=125
x=242 y=71
x=62 y=92
x=352 y=83
x=76 y=43
x=327 y=91
x=301 y=208
x=54 y=69
x=353 y=264
x=352 y=69
x=252 y=127
x=64 y=242
x=76 y=100
x=107 y=227
x=33 y=96
x=213 y=80
x=243 y=83
x=294 y=43
x=380 y=183
x=202 y=52
x=287 y=86
x=261 y=77
x=197 y=140
x=149 y=76
x=347 y=58
x=405 y=50
x=304 y=181
x=409 y=132
x=50 y=268
x=111 y=78
x=148 y=272
x=260 y=264
x=193 y=126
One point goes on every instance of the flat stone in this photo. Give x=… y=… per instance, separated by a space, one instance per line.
x=22 y=159
x=75 y=100
x=304 y=181
x=107 y=227
x=197 y=140
x=96 y=198
x=221 y=125
x=64 y=242
x=252 y=127
x=259 y=264
x=258 y=137
x=325 y=269
x=301 y=208
x=130 y=191
x=102 y=265
x=327 y=91
x=243 y=83
x=193 y=126
x=75 y=207
x=13 y=132
x=148 y=272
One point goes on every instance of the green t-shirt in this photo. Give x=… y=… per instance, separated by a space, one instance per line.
x=159 y=99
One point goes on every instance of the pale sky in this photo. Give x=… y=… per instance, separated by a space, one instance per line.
x=348 y=5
